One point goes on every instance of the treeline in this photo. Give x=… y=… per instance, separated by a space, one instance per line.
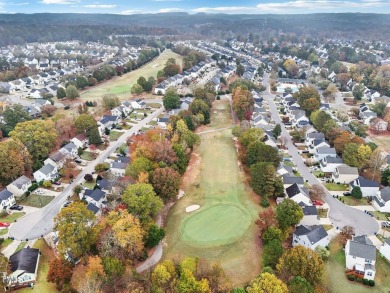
x=191 y=57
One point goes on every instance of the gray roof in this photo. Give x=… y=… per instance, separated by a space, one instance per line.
x=385 y=194
x=21 y=181
x=387 y=241
x=345 y=169
x=5 y=194
x=362 y=239
x=333 y=160
x=326 y=150
x=93 y=208
x=95 y=194
x=362 y=250
x=363 y=182
x=47 y=169
x=287 y=168
x=294 y=190
x=70 y=146
x=290 y=179
x=118 y=165
x=25 y=260
x=309 y=211
x=313 y=233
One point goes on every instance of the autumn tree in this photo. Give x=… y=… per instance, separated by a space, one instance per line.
x=109 y=102
x=346 y=233
x=71 y=92
x=266 y=219
x=128 y=232
x=137 y=89
x=308 y=98
x=171 y=99
x=48 y=110
x=60 y=271
x=243 y=103
x=85 y=122
x=259 y=152
x=142 y=202
x=272 y=252
x=264 y=180
x=376 y=162
x=351 y=155
x=288 y=213
x=138 y=166
x=38 y=136
x=345 y=138
x=300 y=285
x=300 y=261
x=291 y=67
x=358 y=91
x=75 y=231
x=164 y=276
x=15 y=160
x=166 y=182
x=267 y=283
x=251 y=135
x=12 y=116
x=171 y=69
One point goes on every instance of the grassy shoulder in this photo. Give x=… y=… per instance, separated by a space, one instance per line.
x=10 y=218
x=351 y=201
x=336 y=187
x=36 y=200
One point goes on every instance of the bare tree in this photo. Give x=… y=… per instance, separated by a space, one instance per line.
x=317 y=192
x=283 y=141
x=346 y=233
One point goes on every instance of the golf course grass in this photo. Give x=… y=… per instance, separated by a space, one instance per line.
x=121 y=85
x=223 y=229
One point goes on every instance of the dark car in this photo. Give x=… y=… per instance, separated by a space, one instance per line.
x=77 y=161
x=57 y=183
x=385 y=224
x=16 y=207
x=347 y=193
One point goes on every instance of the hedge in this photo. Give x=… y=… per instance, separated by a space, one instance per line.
x=33 y=187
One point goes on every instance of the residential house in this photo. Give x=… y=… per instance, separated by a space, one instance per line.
x=24 y=267
x=385 y=249
x=360 y=257
x=7 y=199
x=69 y=150
x=284 y=169
x=310 y=216
x=108 y=122
x=81 y=141
x=317 y=143
x=104 y=185
x=298 y=194
x=344 y=174
x=162 y=122
x=6 y=88
x=57 y=159
x=299 y=119
x=323 y=152
x=381 y=201
x=118 y=168
x=94 y=196
x=19 y=186
x=310 y=137
x=310 y=236
x=47 y=172
x=329 y=164
x=290 y=179
x=369 y=188
x=138 y=104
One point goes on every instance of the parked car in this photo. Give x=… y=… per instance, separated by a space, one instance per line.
x=4 y=225
x=347 y=193
x=317 y=203
x=16 y=207
x=77 y=161
x=57 y=183
x=385 y=224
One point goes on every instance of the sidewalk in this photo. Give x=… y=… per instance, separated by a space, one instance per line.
x=10 y=249
x=369 y=208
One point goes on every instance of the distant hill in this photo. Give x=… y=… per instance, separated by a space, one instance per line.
x=19 y=28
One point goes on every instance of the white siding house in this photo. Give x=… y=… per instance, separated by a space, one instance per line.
x=310 y=236
x=19 y=186
x=385 y=249
x=360 y=256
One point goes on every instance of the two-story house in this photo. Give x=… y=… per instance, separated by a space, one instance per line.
x=310 y=236
x=368 y=187
x=329 y=164
x=310 y=216
x=360 y=257
x=385 y=249
x=381 y=201
x=298 y=194
x=323 y=152
x=81 y=141
x=19 y=186
x=47 y=172
x=313 y=136
x=344 y=174
x=7 y=199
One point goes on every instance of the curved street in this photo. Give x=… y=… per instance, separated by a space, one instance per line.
x=41 y=222
x=339 y=214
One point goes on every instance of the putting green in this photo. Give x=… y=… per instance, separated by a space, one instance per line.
x=216 y=225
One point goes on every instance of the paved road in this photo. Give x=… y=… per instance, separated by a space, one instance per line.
x=339 y=214
x=41 y=222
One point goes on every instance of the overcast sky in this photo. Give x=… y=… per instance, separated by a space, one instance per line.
x=194 y=6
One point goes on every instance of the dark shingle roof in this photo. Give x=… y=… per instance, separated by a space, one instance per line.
x=313 y=233
x=5 y=194
x=289 y=179
x=362 y=250
x=385 y=194
x=93 y=208
x=294 y=190
x=363 y=182
x=25 y=260
x=95 y=194
x=309 y=211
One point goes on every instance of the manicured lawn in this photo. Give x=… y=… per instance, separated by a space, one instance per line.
x=121 y=86
x=35 y=200
x=88 y=156
x=336 y=281
x=336 y=187
x=349 y=200
x=42 y=286
x=3 y=231
x=5 y=243
x=114 y=135
x=152 y=123
x=223 y=229
x=89 y=185
x=21 y=246
x=382 y=141
x=322 y=213
x=289 y=163
x=11 y=217
x=318 y=174
x=154 y=105
x=381 y=216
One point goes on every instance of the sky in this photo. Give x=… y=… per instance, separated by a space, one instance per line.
x=128 y=7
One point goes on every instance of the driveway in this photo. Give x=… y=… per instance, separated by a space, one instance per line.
x=41 y=222
x=339 y=214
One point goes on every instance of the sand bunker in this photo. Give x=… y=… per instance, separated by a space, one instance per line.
x=192 y=208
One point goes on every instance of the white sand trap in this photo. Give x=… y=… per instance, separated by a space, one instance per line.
x=192 y=208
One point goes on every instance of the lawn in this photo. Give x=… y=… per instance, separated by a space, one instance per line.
x=42 y=286
x=327 y=227
x=381 y=216
x=121 y=85
x=382 y=141
x=88 y=156
x=114 y=135
x=349 y=200
x=89 y=185
x=318 y=174
x=5 y=243
x=21 y=246
x=153 y=105
x=336 y=281
x=336 y=187
x=3 y=231
x=224 y=226
x=322 y=213
x=11 y=217
x=35 y=200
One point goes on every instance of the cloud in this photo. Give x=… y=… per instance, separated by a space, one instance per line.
x=132 y=11
x=105 y=6
x=62 y=2
x=293 y=6
x=227 y=9
x=167 y=10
